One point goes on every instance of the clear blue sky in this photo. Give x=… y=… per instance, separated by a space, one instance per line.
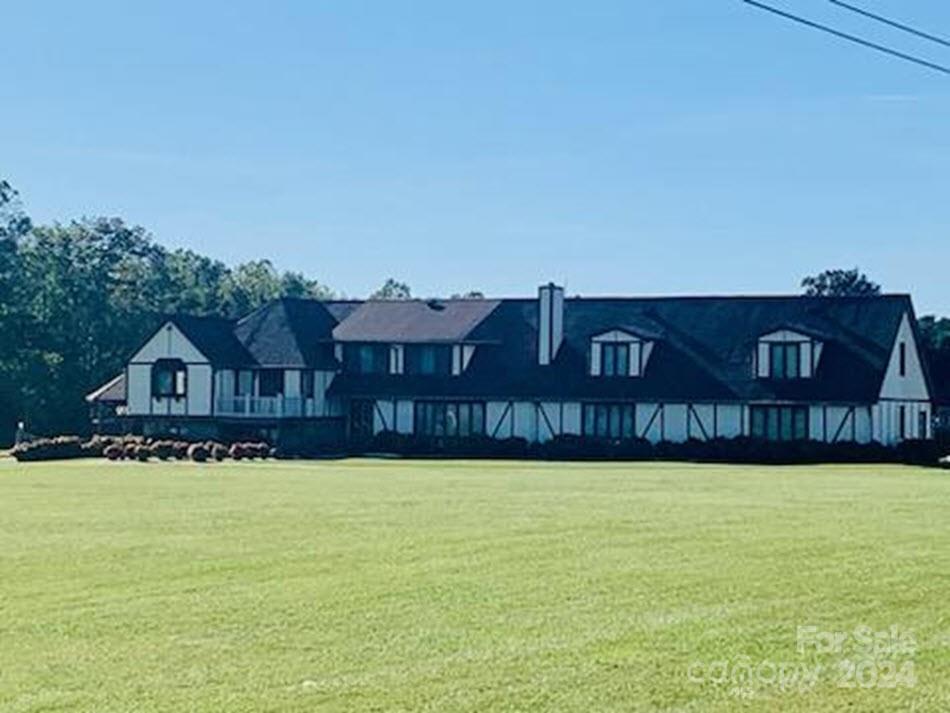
x=681 y=146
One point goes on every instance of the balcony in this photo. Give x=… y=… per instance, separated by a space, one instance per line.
x=265 y=407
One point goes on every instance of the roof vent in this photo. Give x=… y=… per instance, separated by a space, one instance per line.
x=435 y=305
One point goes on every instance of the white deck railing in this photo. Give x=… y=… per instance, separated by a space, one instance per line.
x=264 y=407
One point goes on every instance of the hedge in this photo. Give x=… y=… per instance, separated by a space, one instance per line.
x=134 y=448
x=720 y=450
x=564 y=447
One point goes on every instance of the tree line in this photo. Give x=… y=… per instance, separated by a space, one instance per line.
x=77 y=298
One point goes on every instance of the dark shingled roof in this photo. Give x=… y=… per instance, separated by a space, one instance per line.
x=703 y=346
x=214 y=337
x=293 y=333
x=407 y=321
x=703 y=350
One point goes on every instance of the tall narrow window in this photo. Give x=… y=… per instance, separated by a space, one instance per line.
x=922 y=430
x=902 y=428
x=785 y=360
x=613 y=422
x=244 y=383
x=306 y=384
x=615 y=359
x=903 y=359
x=780 y=423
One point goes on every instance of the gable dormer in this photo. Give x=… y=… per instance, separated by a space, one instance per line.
x=787 y=354
x=619 y=353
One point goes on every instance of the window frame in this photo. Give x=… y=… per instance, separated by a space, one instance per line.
x=366 y=357
x=427 y=359
x=784 y=350
x=445 y=419
x=617 y=356
x=609 y=420
x=308 y=388
x=178 y=386
x=246 y=388
x=779 y=423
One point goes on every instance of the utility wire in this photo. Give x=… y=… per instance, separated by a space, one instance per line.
x=850 y=38
x=892 y=23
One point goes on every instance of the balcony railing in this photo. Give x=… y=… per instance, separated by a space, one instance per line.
x=264 y=407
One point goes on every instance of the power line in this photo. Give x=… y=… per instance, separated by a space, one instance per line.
x=850 y=38
x=892 y=23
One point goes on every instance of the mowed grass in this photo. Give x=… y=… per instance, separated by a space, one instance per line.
x=460 y=586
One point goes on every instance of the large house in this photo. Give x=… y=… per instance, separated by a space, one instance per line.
x=778 y=368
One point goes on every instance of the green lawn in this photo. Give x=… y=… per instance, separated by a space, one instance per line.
x=443 y=586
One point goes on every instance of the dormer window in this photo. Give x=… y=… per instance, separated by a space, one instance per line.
x=615 y=359
x=786 y=354
x=619 y=353
x=785 y=360
x=366 y=358
x=428 y=359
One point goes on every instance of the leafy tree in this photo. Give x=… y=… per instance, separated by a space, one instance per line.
x=392 y=290
x=14 y=222
x=79 y=298
x=840 y=283
x=935 y=332
x=14 y=225
x=294 y=284
x=470 y=295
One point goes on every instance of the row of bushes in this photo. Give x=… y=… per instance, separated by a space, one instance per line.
x=137 y=448
x=720 y=450
x=564 y=447
x=59 y=448
x=182 y=450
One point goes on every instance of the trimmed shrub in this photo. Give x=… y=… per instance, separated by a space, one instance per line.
x=259 y=450
x=180 y=450
x=59 y=448
x=236 y=451
x=163 y=450
x=198 y=452
x=142 y=452
x=219 y=452
x=113 y=452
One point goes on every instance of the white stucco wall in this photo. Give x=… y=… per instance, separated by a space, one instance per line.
x=384 y=416
x=169 y=343
x=729 y=420
x=913 y=385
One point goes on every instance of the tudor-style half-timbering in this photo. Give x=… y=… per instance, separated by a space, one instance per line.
x=169 y=376
x=904 y=409
x=835 y=369
x=619 y=352
x=786 y=354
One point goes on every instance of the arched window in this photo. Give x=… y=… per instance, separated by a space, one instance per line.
x=169 y=379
